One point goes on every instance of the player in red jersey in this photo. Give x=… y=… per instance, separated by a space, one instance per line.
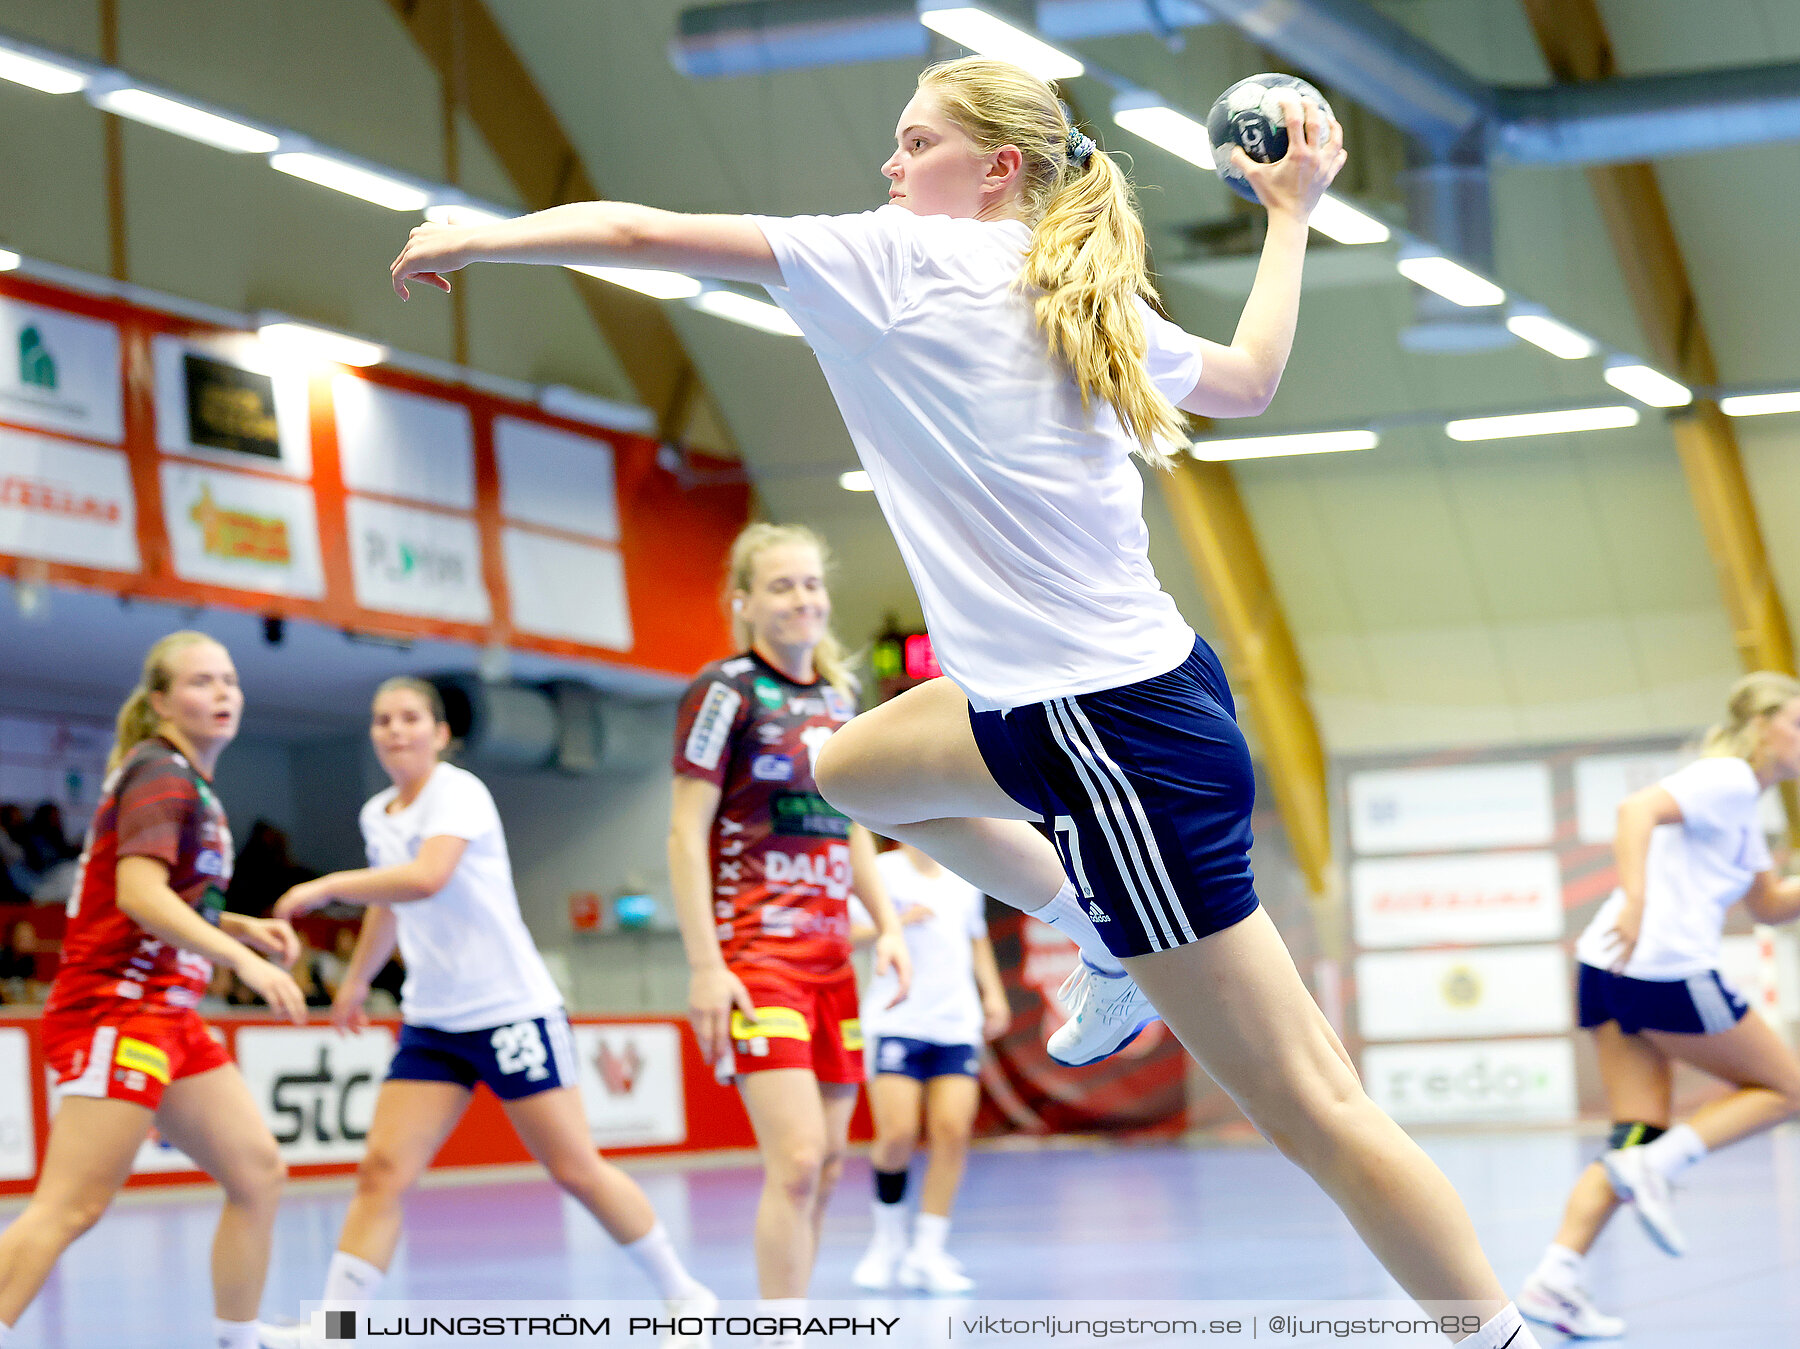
x=762 y=870
x=120 y=1031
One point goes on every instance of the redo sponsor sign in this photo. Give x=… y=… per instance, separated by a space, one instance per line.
x=315 y=1088
x=1434 y=995
x=1467 y=899
x=630 y=1077
x=1479 y=1081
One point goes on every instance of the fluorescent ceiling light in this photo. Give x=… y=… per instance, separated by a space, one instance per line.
x=1541 y=423
x=1455 y=283
x=9 y=261
x=740 y=308
x=1163 y=126
x=1337 y=219
x=982 y=32
x=319 y=344
x=1648 y=386
x=561 y=401
x=461 y=213
x=1556 y=338
x=1758 y=404
x=1268 y=447
x=856 y=480
x=352 y=180
x=49 y=77
x=140 y=105
x=657 y=285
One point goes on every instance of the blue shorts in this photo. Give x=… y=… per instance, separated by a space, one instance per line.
x=1146 y=791
x=924 y=1060
x=516 y=1060
x=1702 y=1004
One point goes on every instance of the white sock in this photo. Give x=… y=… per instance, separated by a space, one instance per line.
x=350 y=1280
x=1561 y=1267
x=655 y=1255
x=1068 y=916
x=1675 y=1151
x=930 y=1230
x=890 y=1224
x=1507 y=1330
x=234 y=1334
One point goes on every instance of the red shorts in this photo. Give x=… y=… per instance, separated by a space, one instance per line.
x=128 y=1052
x=799 y=1024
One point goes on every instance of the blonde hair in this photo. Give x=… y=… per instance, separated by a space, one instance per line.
x=1752 y=698
x=1087 y=259
x=829 y=657
x=138 y=720
x=427 y=691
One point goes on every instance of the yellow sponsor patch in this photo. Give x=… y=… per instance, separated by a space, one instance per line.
x=851 y=1033
x=147 y=1059
x=780 y=1023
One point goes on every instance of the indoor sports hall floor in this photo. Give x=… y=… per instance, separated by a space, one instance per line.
x=1162 y=1222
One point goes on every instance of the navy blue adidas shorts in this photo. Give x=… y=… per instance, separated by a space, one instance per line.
x=1702 y=1004
x=1147 y=791
x=924 y=1060
x=515 y=1060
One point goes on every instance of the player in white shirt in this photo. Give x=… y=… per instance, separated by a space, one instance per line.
x=1649 y=988
x=988 y=338
x=478 y=1005
x=925 y=1055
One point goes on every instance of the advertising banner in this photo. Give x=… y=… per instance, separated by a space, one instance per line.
x=60 y=371
x=1602 y=781
x=399 y=444
x=556 y=478
x=1483 y=1080
x=18 y=1131
x=1439 y=809
x=225 y=400
x=250 y=533
x=315 y=1088
x=630 y=1077
x=561 y=588
x=408 y=561
x=66 y=503
x=1465 y=899
x=1434 y=995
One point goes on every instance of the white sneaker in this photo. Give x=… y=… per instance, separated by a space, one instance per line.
x=875 y=1271
x=701 y=1302
x=1570 y=1310
x=1637 y=1180
x=933 y=1272
x=1106 y=1012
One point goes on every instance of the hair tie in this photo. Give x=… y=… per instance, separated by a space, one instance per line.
x=1080 y=147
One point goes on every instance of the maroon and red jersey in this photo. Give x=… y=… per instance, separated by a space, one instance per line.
x=155 y=804
x=780 y=856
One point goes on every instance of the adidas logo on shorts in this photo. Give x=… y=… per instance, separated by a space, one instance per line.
x=1097 y=913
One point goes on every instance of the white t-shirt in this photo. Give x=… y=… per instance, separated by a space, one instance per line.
x=470 y=962
x=944 y=1004
x=1019 y=515
x=1696 y=870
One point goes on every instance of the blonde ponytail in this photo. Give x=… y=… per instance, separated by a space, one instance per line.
x=1087 y=260
x=137 y=720
x=1753 y=698
x=829 y=657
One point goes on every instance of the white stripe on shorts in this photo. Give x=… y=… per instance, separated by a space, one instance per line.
x=562 y=1048
x=1712 y=1005
x=1114 y=820
x=94 y=1072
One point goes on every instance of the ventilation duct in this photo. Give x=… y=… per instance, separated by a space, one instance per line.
x=564 y=725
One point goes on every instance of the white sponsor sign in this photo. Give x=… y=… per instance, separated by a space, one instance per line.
x=409 y=561
x=66 y=503
x=316 y=1089
x=1602 y=781
x=18 y=1131
x=287 y=380
x=401 y=444
x=556 y=478
x=233 y=529
x=630 y=1078
x=561 y=588
x=1434 y=995
x=1486 y=1080
x=1480 y=897
x=1437 y=809
x=60 y=371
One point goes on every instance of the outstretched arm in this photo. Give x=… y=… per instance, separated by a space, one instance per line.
x=594 y=234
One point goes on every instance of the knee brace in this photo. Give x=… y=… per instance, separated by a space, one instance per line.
x=1631 y=1135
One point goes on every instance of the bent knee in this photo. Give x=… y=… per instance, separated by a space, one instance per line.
x=1304 y=1120
x=384 y=1174
x=799 y=1170
x=255 y=1179
x=950 y=1137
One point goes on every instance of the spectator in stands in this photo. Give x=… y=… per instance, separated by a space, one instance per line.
x=45 y=840
x=18 y=964
x=264 y=872
x=16 y=880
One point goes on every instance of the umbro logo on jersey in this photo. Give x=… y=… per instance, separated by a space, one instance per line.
x=1096 y=913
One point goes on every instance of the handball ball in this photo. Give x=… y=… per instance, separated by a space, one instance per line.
x=1249 y=114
